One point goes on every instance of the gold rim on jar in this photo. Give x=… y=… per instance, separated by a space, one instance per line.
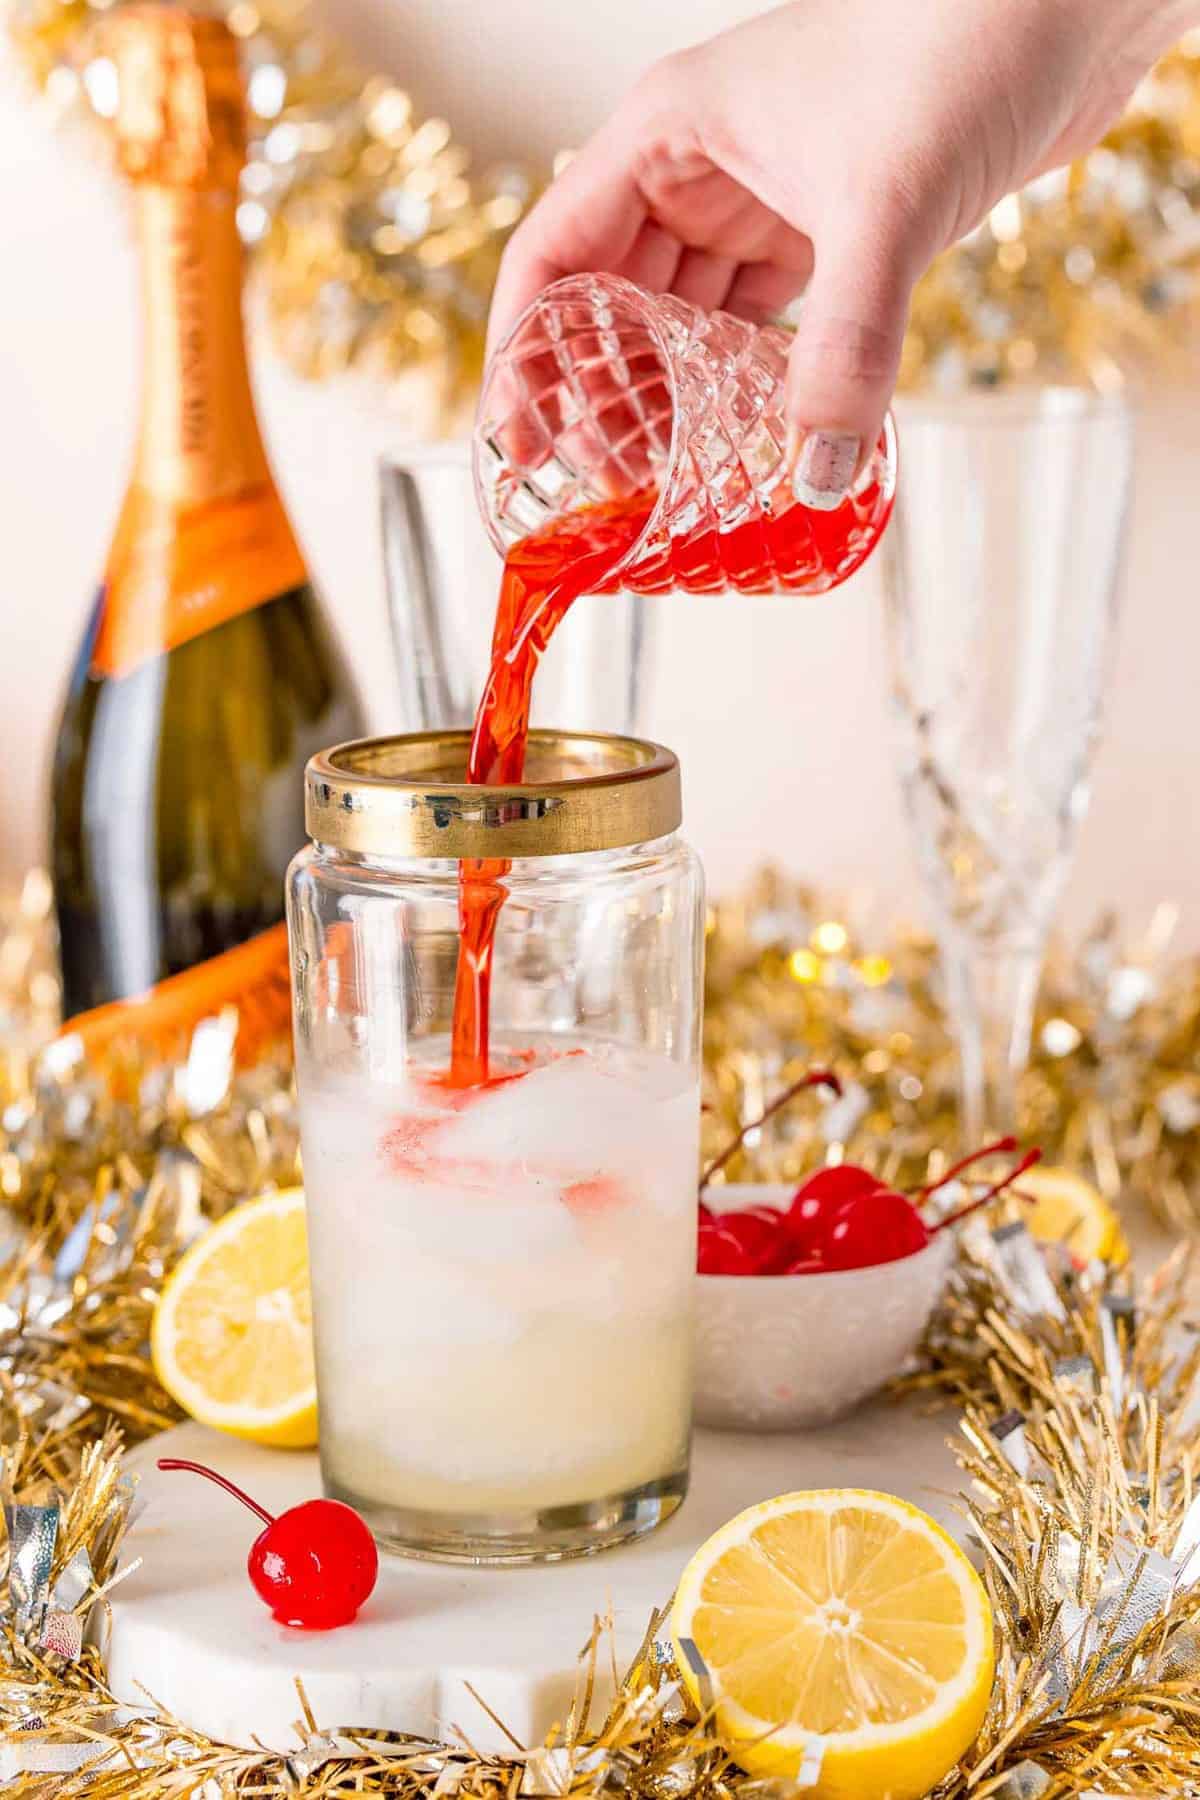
x=406 y=797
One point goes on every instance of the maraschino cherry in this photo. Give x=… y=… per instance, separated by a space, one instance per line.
x=740 y=1243
x=813 y=1200
x=314 y=1565
x=840 y=1217
x=875 y=1227
x=878 y=1224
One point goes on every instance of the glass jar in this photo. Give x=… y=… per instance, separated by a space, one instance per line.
x=502 y=1275
x=601 y=391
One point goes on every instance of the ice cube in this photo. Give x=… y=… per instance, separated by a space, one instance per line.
x=511 y=1213
x=577 y=1115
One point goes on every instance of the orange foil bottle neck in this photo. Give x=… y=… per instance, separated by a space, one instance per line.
x=198 y=438
x=202 y=534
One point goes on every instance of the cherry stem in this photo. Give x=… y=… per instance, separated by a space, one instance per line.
x=1002 y=1146
x=195 y=1468
x=1027 y=1161
x=815 y=1078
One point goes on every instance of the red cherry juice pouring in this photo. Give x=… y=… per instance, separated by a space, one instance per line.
x=586 y=552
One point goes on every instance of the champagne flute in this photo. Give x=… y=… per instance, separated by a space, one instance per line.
x=1002 y=569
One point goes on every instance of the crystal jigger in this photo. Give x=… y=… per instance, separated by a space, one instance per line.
x=602 y=390
x=1001 y=575
x=442 y=574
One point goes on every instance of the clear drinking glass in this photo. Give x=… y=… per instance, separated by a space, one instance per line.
x=502 y=1275
x=1001 y=574
x=602 y=390
x=442 y=575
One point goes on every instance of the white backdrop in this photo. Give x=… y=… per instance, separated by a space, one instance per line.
x=777 y=708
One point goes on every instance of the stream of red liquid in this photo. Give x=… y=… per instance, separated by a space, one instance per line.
x=543 y=575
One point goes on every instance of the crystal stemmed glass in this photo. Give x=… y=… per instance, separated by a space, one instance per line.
x=1002 y=569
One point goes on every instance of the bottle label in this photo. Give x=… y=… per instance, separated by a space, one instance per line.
x=171 y=578
x=253 y=976
x=202 y=535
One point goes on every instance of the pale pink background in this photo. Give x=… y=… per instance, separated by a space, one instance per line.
x=777 y=708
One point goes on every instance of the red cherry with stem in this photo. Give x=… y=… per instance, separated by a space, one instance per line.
x=717 y=1253
x=776 y=1244
x=752 y=1241
x=878 y=1226
x=313 y=1565
x=757 y=1236
x=840 y=1181
x=884 y=1226
x=823 y=1190
x=728 y=1246
x=728 y=1258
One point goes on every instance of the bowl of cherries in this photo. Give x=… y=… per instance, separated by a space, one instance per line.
x=811 y=1298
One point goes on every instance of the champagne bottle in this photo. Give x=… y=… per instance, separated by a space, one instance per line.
x=206 y=675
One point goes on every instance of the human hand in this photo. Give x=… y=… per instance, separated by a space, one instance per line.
x=833 y=149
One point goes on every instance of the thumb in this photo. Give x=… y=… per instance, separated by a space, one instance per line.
x=843 y=362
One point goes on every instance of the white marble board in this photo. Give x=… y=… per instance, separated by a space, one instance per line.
x=188 y=1629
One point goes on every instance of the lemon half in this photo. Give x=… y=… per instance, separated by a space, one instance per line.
x=232 y=1331
x=846 y=1616
x=1069 y=1210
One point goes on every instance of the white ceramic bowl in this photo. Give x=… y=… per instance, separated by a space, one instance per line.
x=780 y=1352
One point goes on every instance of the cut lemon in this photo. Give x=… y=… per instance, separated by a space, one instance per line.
x=845 y=1622
x=1069 y=1210
x=232 y=1332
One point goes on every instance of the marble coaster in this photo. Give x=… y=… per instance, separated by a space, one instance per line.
x=189 y=1630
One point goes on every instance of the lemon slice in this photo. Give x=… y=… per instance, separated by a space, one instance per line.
x=1069 y=1210
x=232 y=1332
x=847 y=1617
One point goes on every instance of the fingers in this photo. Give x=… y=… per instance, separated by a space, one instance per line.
x=843 y=363
x=760 y=291
x=652 y=260
x=704 y=279
x=591 y=217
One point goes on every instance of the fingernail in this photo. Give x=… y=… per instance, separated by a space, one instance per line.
x=825 y=468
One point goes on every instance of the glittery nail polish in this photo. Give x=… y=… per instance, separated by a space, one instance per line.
x=825 y=468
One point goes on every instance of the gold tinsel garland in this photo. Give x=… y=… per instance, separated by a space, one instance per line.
x=1089 y=274
x=794 y=979
x=1077 y=1444
x=375 y=246
x=377 y=249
